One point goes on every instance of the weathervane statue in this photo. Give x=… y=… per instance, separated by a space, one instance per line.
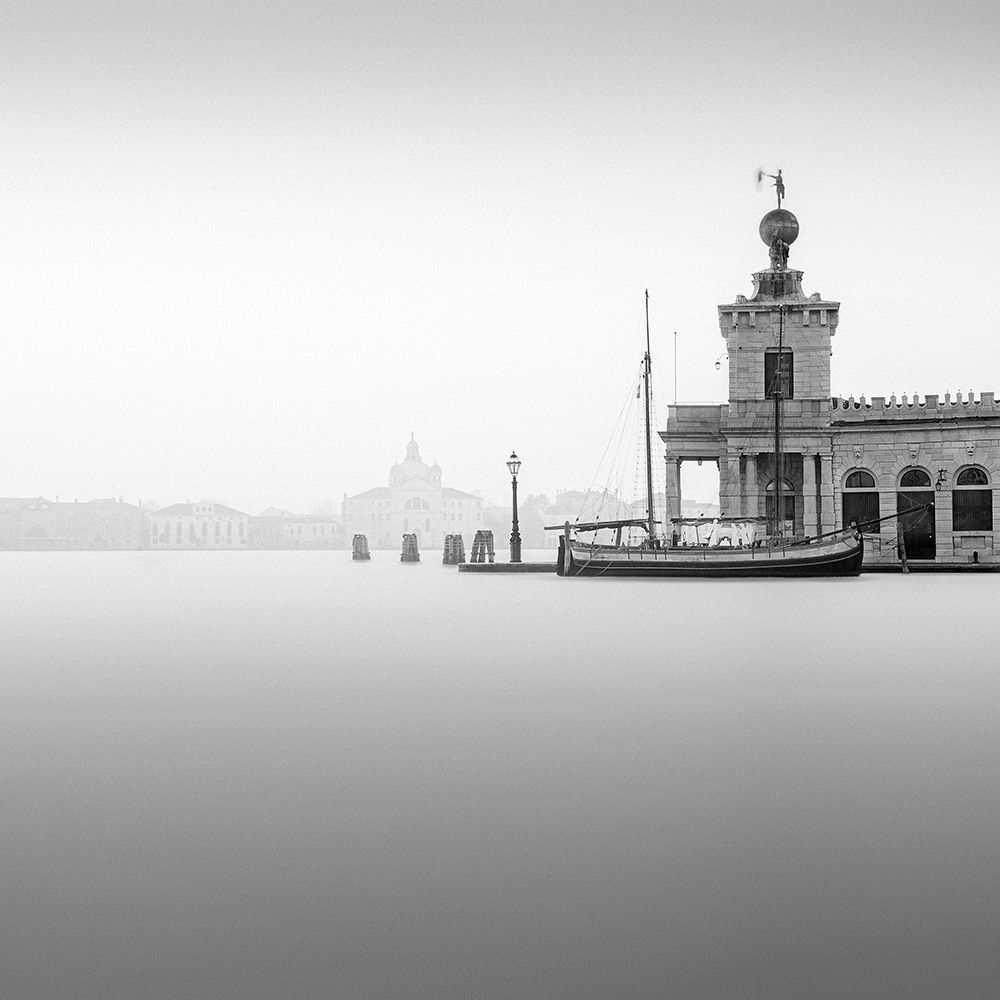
x=779 y=184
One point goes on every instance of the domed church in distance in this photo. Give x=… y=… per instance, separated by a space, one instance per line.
x=413 y=502
x=857 y=459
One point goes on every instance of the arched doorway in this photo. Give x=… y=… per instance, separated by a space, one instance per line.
x=918 y=530
x=787 y=503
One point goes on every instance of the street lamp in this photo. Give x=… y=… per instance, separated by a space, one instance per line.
x=513 y=464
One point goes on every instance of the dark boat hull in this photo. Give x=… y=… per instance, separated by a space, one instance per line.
x=840 y=558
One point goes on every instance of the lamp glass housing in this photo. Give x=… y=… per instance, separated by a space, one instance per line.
x=513 y=463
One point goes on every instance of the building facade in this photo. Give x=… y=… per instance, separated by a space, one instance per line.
x=40 y=524
x=843 y=460
x=281 y=529
x=202 y=525
x=414 y=502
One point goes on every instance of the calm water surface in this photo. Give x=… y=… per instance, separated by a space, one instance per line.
x=285 y=775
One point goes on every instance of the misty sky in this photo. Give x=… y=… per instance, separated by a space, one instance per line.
x=249 y=248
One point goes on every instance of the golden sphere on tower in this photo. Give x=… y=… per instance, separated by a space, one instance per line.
x=779 y=222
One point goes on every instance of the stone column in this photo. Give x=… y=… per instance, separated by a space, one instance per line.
x=828 y=513
x=753 y=499
x=810 y=523
x=729 y=486
x=673 y=491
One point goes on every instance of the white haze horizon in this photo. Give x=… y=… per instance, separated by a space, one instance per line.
x=248 y=249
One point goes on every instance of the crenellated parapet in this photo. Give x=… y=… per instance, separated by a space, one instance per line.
x=931 y=407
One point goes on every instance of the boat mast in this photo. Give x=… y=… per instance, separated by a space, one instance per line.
x=646 y=371
x=779 y=520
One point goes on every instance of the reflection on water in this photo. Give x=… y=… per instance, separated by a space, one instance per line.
x=285 y=775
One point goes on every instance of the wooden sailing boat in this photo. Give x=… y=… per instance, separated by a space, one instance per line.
x=737 y=552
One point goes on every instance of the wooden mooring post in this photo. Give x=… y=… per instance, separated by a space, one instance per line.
x=410 y=553
x=482 y=546
x=454 y=550
x=359 y=548
x=901 y=542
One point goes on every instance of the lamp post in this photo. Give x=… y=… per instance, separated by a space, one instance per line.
x=513 y=464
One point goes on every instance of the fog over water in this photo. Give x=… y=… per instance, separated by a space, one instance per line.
x=284 y=775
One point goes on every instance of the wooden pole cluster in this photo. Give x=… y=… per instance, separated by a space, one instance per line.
x=410 y=553
x=359 y=548
x=454 y=550
x=482 y=546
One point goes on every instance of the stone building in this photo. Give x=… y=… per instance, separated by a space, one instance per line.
x=281 y=529
x=844 y=460
x=40 y=524
x=413 y=502
x=203 y=525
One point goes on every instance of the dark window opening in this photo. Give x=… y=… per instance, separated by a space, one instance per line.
x=860 y=481
x=914 y=477
x=776 y=381
x=972 y=477
x=972 y=502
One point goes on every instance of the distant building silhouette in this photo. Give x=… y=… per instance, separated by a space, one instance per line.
x=199 y=526
x=281 y=529
x=39 y=524
x=414 y=502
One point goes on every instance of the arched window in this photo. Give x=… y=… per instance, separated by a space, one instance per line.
x=915 y=479
x=860 y=481
x=787 y=500
x=972 y=501
x=861 y=501
x=972 y=477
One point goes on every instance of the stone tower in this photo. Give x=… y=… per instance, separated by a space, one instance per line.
x=777 y=310
x=933 y=464
x=778 y=340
